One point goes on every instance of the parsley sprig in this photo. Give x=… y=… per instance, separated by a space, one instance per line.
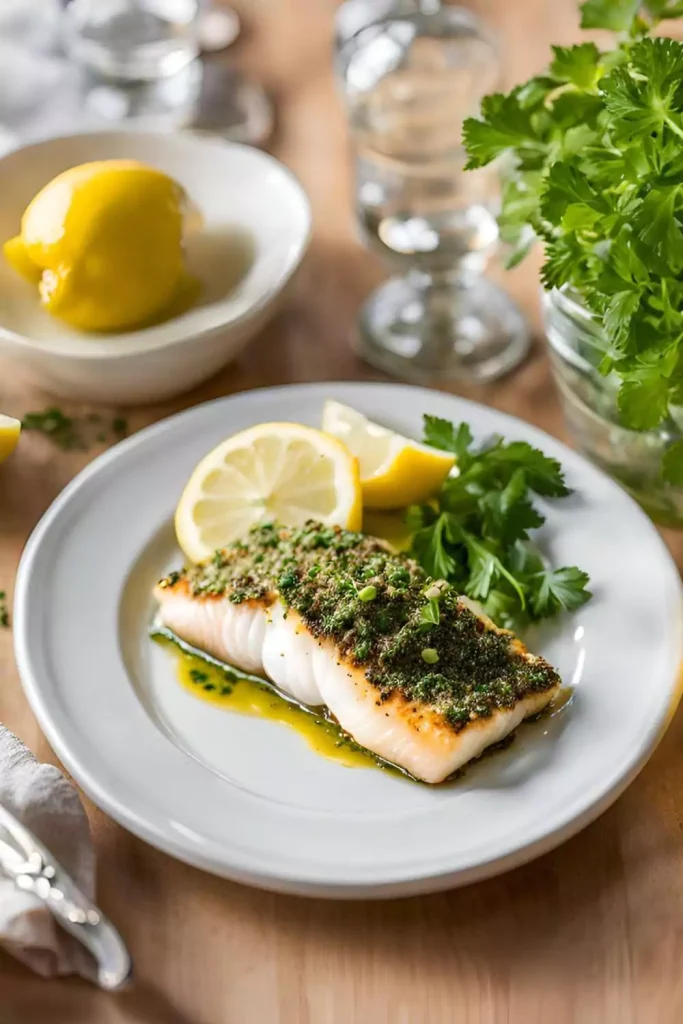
x=476 y=535
x=594 y=168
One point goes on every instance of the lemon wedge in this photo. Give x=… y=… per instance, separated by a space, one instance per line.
x=281 y=472
x=9 y=435
x=394 y=470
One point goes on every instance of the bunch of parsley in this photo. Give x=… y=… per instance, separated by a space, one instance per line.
x=594 y=167
x=476 y=534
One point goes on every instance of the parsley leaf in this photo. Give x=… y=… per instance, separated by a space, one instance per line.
x=659 y=228
x=521 y=209
x=567 y=186
x=505 y=122
x=577 y=64
x=557 y=590
x=509 y=519
x=476 y=532
x=444 y=435
x=643 y=403
x=672 y=464
x=615 y=15
x=619 y=312
x=486 y=568
x=642 y=97
x=593 y=167
x=543 y=474
x=431 y=551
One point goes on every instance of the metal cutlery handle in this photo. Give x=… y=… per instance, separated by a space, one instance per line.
x=33 y=869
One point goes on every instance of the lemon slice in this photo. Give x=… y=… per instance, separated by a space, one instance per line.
x=9 y=435
x=281 y=472
x=394 y=470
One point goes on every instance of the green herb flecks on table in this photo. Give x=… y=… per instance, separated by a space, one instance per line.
x=594 y=167
x=4 y=611
x=476 y=534
x=72 y=433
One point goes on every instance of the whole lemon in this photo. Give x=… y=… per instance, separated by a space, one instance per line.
x=103 y=242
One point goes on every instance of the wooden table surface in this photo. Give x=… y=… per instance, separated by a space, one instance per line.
x=589 y=934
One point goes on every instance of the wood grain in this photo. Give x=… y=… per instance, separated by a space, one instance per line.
x=589 y=934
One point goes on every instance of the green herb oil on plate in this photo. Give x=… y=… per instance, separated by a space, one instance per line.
x=217 y=684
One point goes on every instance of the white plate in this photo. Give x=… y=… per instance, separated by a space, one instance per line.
x=247 y=798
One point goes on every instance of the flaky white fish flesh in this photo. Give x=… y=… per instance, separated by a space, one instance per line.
x=302 y=615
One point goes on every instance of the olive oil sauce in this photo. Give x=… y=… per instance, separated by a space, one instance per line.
x=226 y=688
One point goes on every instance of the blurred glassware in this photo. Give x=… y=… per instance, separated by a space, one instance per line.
x=354 y=15
x=30 y=23
x=132 y=40
x=203 y=96
x=578 y=346
x=218 y=27
x=43 y=94
x=412 y=72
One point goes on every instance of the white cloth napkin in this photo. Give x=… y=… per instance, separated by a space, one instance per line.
x=46 y=803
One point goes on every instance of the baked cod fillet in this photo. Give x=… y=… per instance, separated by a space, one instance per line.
x=335 y=619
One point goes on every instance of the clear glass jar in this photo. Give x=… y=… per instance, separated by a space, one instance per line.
x=577 y=345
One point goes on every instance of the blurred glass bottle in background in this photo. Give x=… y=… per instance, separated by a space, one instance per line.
x=137 y=62
x=137 y=40
x=412 y=72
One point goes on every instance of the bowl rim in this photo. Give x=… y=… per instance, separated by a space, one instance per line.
x=95 y=348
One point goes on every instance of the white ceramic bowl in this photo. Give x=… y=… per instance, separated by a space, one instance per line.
x=256 y=228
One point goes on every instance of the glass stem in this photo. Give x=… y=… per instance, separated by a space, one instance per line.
x=439 y=291
x=436 y=280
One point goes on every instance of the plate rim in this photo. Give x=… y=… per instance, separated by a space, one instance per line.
x=286 y=881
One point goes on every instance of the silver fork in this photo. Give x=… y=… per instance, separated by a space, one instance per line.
x=33 y=869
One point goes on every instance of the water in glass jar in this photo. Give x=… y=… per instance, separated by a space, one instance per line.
x=133 y=39
x=408 y=98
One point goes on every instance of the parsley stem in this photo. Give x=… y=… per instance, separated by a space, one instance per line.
x=673 y=126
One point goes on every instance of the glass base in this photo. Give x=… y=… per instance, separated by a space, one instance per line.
x=420 y=330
